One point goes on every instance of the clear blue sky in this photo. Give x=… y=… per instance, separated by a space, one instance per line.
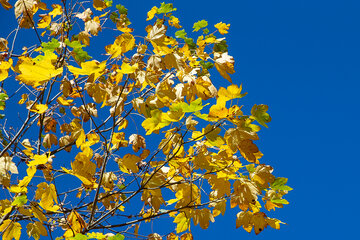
x=302 y=58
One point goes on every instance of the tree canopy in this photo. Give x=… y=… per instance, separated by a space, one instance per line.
x=97 y=142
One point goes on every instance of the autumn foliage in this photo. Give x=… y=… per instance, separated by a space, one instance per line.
x=99 y=141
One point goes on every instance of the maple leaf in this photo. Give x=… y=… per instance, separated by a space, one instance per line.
x=222 y=27
x=57 y=10
x=225 y=65
x=10 y=230
x=22 y=185
x=203 y=216
x=137 y=142
x=39 y=159
x=88 y=68
x=47 y=195
x=260 y=114
x=151 y=13
x=25 y=9
x=122 y=44
x=232 y=92
x=39 y=108
x=155 y=122
x=174 y=21
x=128 y=163
x=200 y=24
x=77 y=224
x=35 y=72
x=36 y=229
x=93 y=26
x=182 y=221
x=44 y=21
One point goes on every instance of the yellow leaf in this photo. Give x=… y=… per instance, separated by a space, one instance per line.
x=122 y=44
x=218 y=111
x=182 y=221
x=35 y=230
x=129 y=163
x=224 y=63
x=38 y=159
x=57 y=10
x=22 y=185
x=88 y=68
x=47 y=195
x=174 y=21
x=37 y=72
x=44 y=21
x=77 y=224
x=93 y=138
x=232 y=92
x=118 y=140
x=151 y=13
x=222 y=27
x=39 y=108
x=84 y=38
x=10 y=230
x=4 y=69
x=263 y=176
x=127 y=68
x=65 y=102
x=38 y=213
x=155 y=122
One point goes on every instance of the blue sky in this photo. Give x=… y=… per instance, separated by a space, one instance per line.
x=302 y=59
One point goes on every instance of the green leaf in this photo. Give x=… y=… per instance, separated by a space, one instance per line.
x=108 y=3
x=203 y=116
x=74 y=44
x=50 y=46
x=206 y=31
x=19 y=201
x=200 y=24
x=221 y=46
x=279 y=200
x=279 y=181
x=166 y=8
x=121 y=9
x=80 y=236
x=279 y=184
x=117 y=237
x=260 y=114
x=180 y=34
x=3 y=97
x=250 y=168
x=183 y=106
x=206 y=65
x=190 y=42
x=80 y=55
x=114 y=16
